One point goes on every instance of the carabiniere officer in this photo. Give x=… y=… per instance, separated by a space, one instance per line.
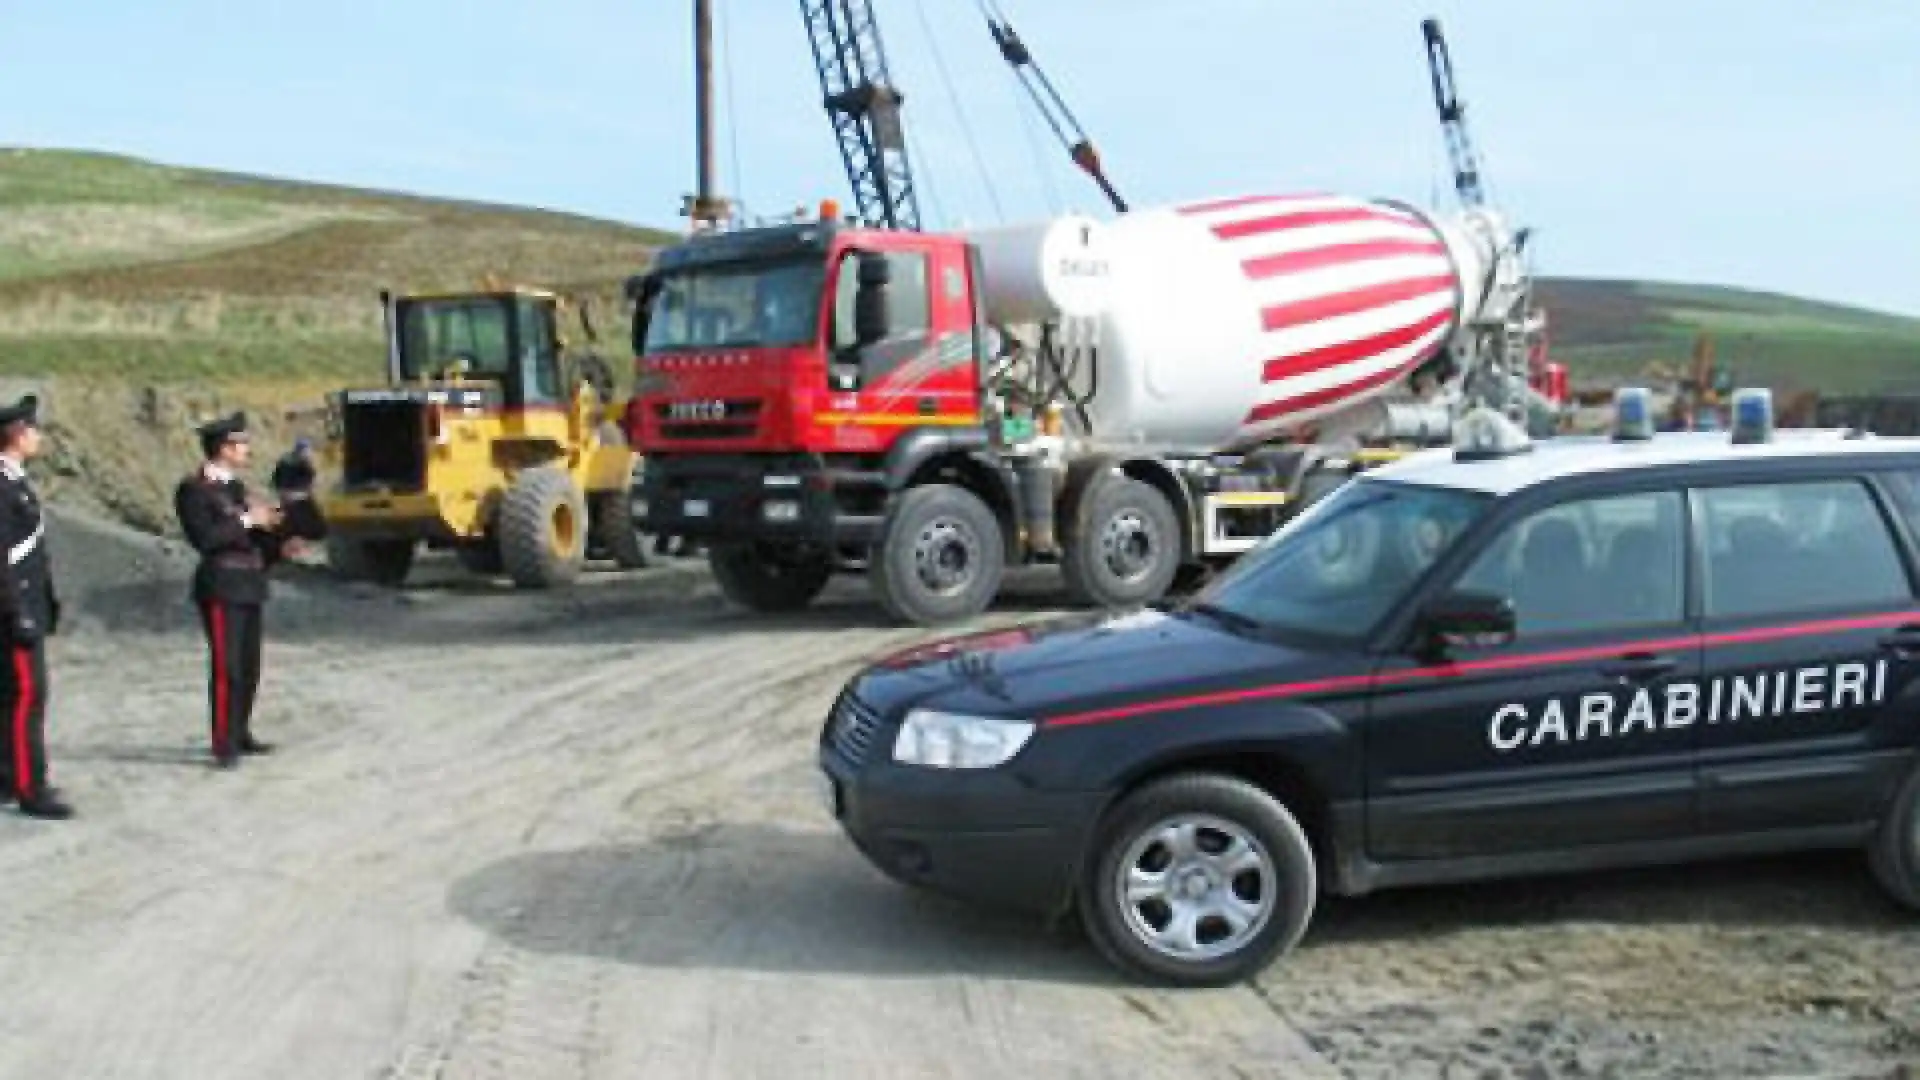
x=29 y=611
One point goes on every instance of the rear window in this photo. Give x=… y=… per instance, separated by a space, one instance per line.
x=1796 y=548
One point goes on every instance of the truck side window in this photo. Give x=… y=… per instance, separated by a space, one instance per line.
x=1796 y=548
x=911 y=312
x=1607 y=563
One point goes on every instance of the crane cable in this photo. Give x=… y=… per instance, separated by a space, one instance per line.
x=1020 y=92
x=966 y=129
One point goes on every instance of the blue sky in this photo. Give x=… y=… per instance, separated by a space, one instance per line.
x=1766 y=144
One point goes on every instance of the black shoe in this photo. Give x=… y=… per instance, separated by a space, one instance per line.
x=225 y=761
x=45 y=806
x=255 y=746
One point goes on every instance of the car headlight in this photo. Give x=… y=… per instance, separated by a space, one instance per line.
x=949 y=741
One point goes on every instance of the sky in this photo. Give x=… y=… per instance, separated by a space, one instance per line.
x=1764 y=144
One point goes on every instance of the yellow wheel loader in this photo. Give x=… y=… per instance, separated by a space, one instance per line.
x=489 y=438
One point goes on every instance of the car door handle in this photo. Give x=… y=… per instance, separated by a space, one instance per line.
x=1903 y=642
x=1638 y=667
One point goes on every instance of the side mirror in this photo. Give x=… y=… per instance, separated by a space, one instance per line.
x=1471 y=620
x=641 y=289
x=873 y=303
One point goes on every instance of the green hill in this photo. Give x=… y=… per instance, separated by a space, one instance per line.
x=119 y=267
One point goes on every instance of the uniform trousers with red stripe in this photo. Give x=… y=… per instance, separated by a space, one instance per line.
x=23 y=702
x=233 y=645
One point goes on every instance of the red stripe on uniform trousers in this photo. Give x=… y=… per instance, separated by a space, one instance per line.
x=1474 y=667
x=1320 y=258
x=217 y=618
x=22 y=713
x=1351 y=302
x=1346 y=352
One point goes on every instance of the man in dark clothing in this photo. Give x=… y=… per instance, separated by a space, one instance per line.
x=293 y=479
x=29 y=610
x=238 y=541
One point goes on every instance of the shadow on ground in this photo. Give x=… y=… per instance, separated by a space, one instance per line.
x=754 y=898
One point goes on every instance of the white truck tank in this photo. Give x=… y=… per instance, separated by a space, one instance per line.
x=1234 y=320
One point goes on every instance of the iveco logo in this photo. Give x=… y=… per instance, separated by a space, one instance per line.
x=697 y=410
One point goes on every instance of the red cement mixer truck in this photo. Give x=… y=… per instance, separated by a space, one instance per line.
x=1136 y=399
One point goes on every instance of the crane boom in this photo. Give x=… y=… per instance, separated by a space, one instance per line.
x=1048 y=101
x=1453 y=117
x=865 y=109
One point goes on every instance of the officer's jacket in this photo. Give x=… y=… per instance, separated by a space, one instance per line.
x=26 y=587
x=234 y=559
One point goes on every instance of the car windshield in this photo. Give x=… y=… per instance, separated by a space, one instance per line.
x=761 y=304
x=439 y=335
x=1337 y=568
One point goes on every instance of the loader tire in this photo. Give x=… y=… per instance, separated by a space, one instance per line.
x=543 y=529
x=383 y=562
x=615 y=536
x=768 y=577
x=480 y=558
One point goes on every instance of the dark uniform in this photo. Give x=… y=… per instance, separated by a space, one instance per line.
x=29 y=610
x=230 y=589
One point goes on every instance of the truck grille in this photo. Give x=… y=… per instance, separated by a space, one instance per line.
x=709 y=418
x=853 y=729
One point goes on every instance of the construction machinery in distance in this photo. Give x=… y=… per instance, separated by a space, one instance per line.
x=492 y=436
x=1129 y=399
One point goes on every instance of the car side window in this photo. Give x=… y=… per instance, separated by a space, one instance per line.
x=1796 y=548
x=1613 y=562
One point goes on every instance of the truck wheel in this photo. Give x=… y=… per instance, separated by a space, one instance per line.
x=1124 y=547
x=543 y=529
x=383 y=562
x=764 y=577
x=614 y=534
x=1197 y=880
x=939 y=557
x=1895 y=852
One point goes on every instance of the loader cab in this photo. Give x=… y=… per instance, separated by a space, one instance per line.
x=509 y=339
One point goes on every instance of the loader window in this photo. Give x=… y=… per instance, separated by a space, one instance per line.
x=436 y=336
x=539 y=359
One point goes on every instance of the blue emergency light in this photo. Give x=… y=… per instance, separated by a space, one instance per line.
x=1632 y=414
x=1752 y=415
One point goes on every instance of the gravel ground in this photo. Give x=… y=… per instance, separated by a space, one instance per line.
x=575 y=834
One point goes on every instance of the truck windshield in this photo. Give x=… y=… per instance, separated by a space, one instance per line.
x=434 y=334
x=1335 y=570
x=712 y=307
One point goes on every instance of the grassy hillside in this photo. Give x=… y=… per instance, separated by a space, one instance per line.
x=118 y=267
x=1607 y=331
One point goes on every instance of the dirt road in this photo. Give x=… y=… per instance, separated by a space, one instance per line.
x=576 y=835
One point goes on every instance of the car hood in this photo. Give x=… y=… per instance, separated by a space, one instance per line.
x=1059 y=667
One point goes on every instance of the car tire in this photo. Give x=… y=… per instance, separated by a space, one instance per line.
x=1187 y=826
x=929 y=524
x=1895 y=851
x=763 y=578
x=1124 y=547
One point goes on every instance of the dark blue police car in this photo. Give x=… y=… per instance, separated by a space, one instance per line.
x=1506 y=658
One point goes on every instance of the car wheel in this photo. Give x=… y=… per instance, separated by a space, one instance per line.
x=1198 y=880
x=1895 y=852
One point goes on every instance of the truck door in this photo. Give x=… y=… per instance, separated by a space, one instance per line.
x=1580 y=731
x=923 y=366
x=1811 y=646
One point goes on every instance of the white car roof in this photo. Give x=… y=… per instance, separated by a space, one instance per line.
x=1571 y=455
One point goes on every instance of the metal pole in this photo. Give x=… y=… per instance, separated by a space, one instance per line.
x=707 y=208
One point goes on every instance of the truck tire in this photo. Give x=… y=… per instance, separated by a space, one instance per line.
x=1895 y=851
x=614 y=534
x=939 y=557
x=383 y=562
x=543 y=529
x=763 y=577
x=1198 y=879
x=1123 y=549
